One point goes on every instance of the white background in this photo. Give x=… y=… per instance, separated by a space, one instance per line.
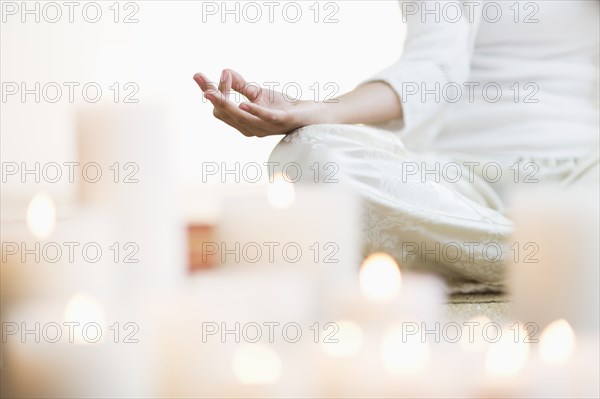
x=160 y=53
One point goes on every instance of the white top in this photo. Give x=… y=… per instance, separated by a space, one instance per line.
x=540 y=59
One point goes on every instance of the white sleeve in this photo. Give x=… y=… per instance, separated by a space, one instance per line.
x=437 y=51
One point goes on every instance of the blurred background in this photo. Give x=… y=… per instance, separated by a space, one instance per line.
x=145 y=273
x=158 y=56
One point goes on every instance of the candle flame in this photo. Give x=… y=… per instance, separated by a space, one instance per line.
x=281 y=193
x=557 y=342
x=509 y=355
x=85 y=309
x=256 y=364
x=473 y=339
x=380 y=278
x=41 y=215
x=349 y=337
x=402 y=354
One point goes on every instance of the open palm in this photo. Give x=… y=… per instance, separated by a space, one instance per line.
x=267 y=112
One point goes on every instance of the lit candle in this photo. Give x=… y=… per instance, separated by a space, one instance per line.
x=557 y=342
x=380 y=292
x=401 y=355
x=128 y=145
x=207 y=335
x=286 y=226
x=41 y=215
x=54 y=349
x=349 y=339
x=380 y=278
x=558 y=369
x=281 y=193
x=256 y=364
x=384 y=315
x=505 y=359
x=555 y=272
x=49 y=255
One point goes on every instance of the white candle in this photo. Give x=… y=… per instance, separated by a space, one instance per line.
x=564 y=365
x=289 y=226
x=505 y=362
x=73 y=349
x=555 y=274
x=381 y=293
x=205 y=332
x=129 y=145
x=75 y=255
x=384 y=350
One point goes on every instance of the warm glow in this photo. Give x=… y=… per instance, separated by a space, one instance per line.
x=408 y=357
x=472 y=339
x=557 y=342
x=86 y=310
x=281 y=193
x=41 y=215
x=256 y=364
x=350 y=339
x=380 y=277
x=508 y=356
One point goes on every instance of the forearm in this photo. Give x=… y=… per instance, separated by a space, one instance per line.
x=371 y=103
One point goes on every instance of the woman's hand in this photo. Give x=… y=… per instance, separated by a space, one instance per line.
x=266 y=112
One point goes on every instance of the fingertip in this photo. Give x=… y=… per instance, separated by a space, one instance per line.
x=245 y=106
x=224 y=75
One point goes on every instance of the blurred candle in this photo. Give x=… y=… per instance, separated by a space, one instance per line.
x=376 y=310
x=348 y=340
x=380 y=278
x=76 y=255
x=288 y=227
x=555 y=274
x=557 y=371
x=256 y=364
x=129 y=145
x=402 y=354
x=281 y=193
x=206 y=350
x=557 y=342
x=381 y=293
x=41 y=215
x=476 y=341
x=82 y=308
x=49 y=355
x=505 y=359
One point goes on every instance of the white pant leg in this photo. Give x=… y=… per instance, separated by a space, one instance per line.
x=441 y=226
x=586 y=173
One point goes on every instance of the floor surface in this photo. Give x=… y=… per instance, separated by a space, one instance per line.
x=463 y=307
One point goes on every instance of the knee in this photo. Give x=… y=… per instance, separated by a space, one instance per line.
x=315 y=138
x=308 y=152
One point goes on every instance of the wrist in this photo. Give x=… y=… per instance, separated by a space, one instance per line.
x=330 y=111
x=320 y=112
